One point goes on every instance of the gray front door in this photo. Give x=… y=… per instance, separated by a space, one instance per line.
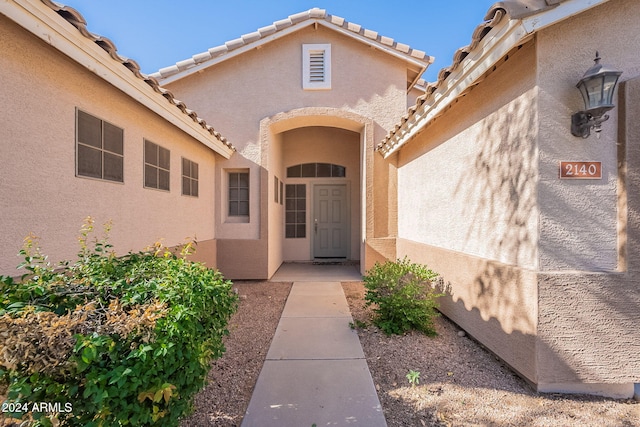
x=330 y=221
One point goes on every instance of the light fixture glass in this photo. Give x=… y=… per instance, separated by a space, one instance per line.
x=597 y=87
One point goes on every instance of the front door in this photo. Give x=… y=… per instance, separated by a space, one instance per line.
x=330 y=221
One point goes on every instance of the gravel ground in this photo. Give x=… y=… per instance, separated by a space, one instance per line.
x=232 y=377
x=461 y=384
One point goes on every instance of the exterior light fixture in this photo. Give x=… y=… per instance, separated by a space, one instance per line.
x=597 y=87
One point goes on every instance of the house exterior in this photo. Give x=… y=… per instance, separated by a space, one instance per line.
x=305 y=96
x=542 y=270
x=341 y=152
x=85 y=134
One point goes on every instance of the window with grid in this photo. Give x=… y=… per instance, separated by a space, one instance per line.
x=239 y=194
x=189 y=178
x=99 y=148
x=316 y=170
x=157 y=161
x=296 y=211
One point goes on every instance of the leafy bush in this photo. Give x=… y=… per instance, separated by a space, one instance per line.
x=112 y=340
x=403 y=296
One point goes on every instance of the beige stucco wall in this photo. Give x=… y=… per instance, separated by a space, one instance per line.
x=492 y=301
x=589 y=316
x=470 y=199
x=324 y=145
x=263 y=83
x=40 y=92
x=543 y=271
x=467 y=209
x=565 y=52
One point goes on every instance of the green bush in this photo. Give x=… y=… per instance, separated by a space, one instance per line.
x=112 y=340
x=403 y=297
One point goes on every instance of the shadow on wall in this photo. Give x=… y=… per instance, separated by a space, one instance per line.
x=502 y=216
x=515 y=348
x=502 y=185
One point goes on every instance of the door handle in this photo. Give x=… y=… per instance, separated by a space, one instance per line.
x=315 y=226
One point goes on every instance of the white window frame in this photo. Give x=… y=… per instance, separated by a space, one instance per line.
x=307 y=51
x=228 y=217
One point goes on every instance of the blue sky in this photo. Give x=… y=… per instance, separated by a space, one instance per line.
x=159 y=33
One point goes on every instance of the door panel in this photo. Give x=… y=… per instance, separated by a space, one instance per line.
x=330 y=221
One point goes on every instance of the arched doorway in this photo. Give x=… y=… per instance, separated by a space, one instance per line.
x=316 y=162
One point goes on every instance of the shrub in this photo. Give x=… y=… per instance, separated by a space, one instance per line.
x=113 y=340
x=403 y=297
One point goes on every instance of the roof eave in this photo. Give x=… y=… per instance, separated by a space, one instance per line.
x=415 y=62
x=38 y=19
x=506 y=35
x=475 y=65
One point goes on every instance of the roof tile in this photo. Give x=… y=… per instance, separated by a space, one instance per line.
x=312 y=14
x=317 y=13
x=337 y=20
x=494 y=16
x=235 y=43
x=418 y=53
x=75 y=18
x=187 y=63
x=402 y=47
x=353 y=27
x=201 y=57
x=387 y=40
x=218 y=50
x=268 y=30
x=251 y=37
x=373 y=35
x=299 y=17
x=283 y=23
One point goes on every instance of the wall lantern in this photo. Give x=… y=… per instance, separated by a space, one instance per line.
x=597 y=87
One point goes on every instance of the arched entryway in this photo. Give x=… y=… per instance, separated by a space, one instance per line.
x=316 y=166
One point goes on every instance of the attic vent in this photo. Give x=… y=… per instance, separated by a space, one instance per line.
x=316 y=66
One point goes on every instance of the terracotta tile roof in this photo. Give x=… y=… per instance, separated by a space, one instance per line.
x=76 y=19
x=512 y=9
x=312 y=15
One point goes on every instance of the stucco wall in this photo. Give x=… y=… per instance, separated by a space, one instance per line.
x=467 y=208
x=565 y=287
x=324 y=145
x=276 y=209
x=467 y=183
x=578 y=219
x=492 y=301
x=588 y=326
x=40 y=92
x=265 y=82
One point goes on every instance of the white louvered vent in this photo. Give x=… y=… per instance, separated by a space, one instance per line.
x=316 y=66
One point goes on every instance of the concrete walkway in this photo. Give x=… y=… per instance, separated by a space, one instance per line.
x=315 y=372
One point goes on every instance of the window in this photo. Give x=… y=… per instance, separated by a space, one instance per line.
x=156 y=166
x=296 y=211
x=316 y=170
x=316 y=66
x=99 y=148
x=281 y=192
x=189 y=178
x=239 y=194
x=276 y=186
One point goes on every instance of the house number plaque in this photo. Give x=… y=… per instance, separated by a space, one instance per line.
x=581 y=170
